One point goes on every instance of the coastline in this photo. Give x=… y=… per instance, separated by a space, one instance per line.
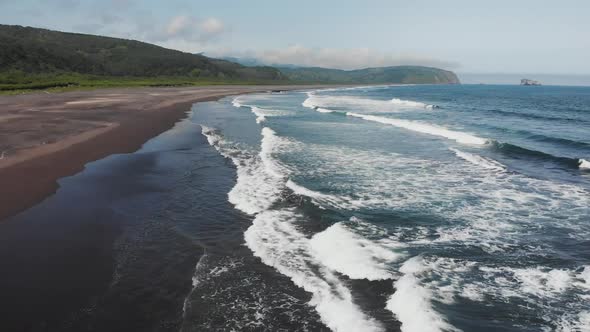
x=115 y=121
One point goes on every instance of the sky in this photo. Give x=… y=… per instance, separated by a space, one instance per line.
x=512 y=37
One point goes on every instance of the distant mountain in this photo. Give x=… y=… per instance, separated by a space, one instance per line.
x=40 y=51
x=396 y=74
x=250 y=62
x=393 y=74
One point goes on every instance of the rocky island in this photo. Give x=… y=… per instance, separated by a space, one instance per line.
x=526 y=81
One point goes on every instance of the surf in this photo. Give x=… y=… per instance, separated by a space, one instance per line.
x=424 y=128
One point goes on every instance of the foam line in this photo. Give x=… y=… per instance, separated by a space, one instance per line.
x=424 y=128
x=479 y=160
x=341 y=249
x=411 y=302
x=277 y=242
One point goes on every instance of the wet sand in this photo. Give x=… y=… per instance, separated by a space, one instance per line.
x=44 y=137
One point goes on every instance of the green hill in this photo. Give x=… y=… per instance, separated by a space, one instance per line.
x=33 y=58
x=31 y=55
x=397 y=74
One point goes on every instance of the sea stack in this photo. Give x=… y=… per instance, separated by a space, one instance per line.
x=525 y=81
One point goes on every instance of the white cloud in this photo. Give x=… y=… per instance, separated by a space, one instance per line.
x=188 y=28
x=355 y=58
x=211 y=28
x=179 y=25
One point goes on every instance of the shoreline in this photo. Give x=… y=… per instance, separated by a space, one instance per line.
x=30 y=180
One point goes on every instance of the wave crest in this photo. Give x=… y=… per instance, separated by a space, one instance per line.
x=424 y=128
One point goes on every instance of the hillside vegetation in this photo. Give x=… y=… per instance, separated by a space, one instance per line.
x=33 y=58
x=397 y=74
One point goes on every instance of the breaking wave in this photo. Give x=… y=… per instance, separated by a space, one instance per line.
x=424 y=128
x=520 y=152
x=342 y=249
x=479 y=160
x=324 y=102
x=411 y=302
x=410 y=103
x=274 y=237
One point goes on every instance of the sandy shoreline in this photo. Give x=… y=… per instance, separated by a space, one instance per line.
x=44 y=137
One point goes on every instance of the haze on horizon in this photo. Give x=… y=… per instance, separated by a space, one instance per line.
x=484 y=37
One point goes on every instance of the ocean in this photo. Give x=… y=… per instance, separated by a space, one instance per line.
x=386 y=208
x=425 y=208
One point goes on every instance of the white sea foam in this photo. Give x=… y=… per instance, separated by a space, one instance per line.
x=323 y=110
x=321 y=199
x=577 y=323
x=584 y=164
x=343 y=250
x=236 y=102
x=274 y=238
x=543 y=282
x=479 y=160
x=410 y=103
x=259 y=178
x=260 y=115
x=424 y=128
x=411 y=302
x=326 y=102
x=195 y=283
x=585 y=276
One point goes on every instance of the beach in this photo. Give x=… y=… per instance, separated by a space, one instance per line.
x=48 y=136
x=373 y=208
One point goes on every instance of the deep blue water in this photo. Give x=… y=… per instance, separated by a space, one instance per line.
x=438 y=207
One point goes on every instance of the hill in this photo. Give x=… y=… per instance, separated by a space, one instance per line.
x=33 y=58
x=392 y=74
x=396 y=74
x=30 y=52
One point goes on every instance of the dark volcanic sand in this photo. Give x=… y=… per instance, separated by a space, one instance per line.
x=44 y=137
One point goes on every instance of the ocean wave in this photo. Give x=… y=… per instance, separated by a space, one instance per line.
x=575 y=323
x=424 y=128
x=520 y=152
x=584 y=164
x=558 y=140
x=274 y=238
x=528 y=116
x=410 y=103
x=411 y=302
x=260 y=115
x=324 y=200
x=480 y=161
x=542 y=290
x=258 y=177
x=342 y=249
x=319 y=102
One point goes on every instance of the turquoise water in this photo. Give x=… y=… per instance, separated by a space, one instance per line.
x=439 y=208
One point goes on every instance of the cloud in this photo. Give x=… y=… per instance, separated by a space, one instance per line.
x=211 y=28
x=356 y=58
x=188 y=28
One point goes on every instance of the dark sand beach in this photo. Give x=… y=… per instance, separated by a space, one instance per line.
x=44 y=137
